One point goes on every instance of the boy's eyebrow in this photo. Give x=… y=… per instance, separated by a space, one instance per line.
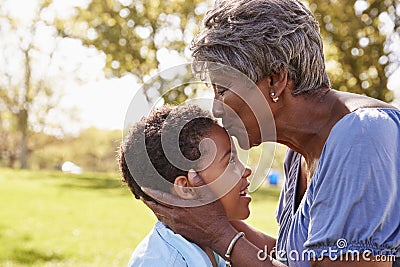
x=229 y=152
x=226 y=154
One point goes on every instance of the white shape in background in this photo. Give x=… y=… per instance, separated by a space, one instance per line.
x=169 y=61
x=70 y=167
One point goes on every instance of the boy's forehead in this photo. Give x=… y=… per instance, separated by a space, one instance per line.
x=220 y=137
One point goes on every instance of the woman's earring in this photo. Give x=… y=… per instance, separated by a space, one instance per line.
x=275 y=99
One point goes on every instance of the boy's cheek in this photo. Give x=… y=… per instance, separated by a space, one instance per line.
x=226 y=180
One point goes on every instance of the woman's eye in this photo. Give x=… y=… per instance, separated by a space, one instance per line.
x=221 y=91
x=232 y=160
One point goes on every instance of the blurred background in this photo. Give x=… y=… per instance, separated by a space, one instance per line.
x=68 y=72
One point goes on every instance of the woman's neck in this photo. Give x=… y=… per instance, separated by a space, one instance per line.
x=306 y=121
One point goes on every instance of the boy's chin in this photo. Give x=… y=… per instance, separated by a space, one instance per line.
x=239 y=217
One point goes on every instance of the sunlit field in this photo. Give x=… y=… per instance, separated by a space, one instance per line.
x=48 y=218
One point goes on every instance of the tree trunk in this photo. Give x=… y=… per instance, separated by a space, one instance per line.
x=23 y=124
x=11 y=160
x=24 y=112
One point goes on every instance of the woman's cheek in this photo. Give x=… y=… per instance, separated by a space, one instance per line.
x=225 y=179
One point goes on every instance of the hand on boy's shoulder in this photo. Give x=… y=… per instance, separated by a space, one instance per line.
x=195 y=219
x=202 y=194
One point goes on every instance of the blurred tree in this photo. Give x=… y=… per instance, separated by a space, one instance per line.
x=135 y=35
x=360 y=39
x=139 y=36
x=9 y=141
x=17 y=88
x=33 y=71
x=93 y=150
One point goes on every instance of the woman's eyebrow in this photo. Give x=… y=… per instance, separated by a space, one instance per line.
x=217 y=86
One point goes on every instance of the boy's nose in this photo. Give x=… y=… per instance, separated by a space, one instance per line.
x=246 y=173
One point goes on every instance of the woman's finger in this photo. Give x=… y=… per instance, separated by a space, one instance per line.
x=204 y=194
x=194 y=179
x=162 y=212
x=150 y=204
x=165 y=198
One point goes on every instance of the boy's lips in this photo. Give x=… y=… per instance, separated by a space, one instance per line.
x=244 y=191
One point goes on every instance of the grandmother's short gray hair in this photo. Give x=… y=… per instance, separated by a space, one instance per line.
x=258 y=37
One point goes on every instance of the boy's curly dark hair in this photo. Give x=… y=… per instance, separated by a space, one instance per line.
x=141 y=156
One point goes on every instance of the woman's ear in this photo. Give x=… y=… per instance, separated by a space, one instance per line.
x=183 y=189
x=274 y=84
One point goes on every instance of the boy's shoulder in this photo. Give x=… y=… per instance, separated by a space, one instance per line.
x=163 y=247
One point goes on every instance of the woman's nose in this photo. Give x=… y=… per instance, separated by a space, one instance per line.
x=218 y=108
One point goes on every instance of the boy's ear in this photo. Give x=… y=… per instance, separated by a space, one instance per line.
x=183 y=189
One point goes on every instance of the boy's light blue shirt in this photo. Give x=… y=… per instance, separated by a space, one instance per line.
x=162 y=247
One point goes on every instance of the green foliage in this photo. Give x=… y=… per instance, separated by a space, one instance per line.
x=130 y=32
x=133 y=34
x=50 y=218
x=355 y=45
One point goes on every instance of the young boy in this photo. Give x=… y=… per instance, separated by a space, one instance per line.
x=147 y=158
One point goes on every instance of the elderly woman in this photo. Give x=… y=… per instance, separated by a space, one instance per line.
x=340 y=204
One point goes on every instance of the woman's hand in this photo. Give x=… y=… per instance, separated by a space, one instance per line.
x=201 y=220
x=256 y=237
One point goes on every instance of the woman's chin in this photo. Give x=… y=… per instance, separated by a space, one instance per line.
x=246 y=142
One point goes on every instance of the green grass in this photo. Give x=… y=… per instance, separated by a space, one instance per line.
x=48 y=218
